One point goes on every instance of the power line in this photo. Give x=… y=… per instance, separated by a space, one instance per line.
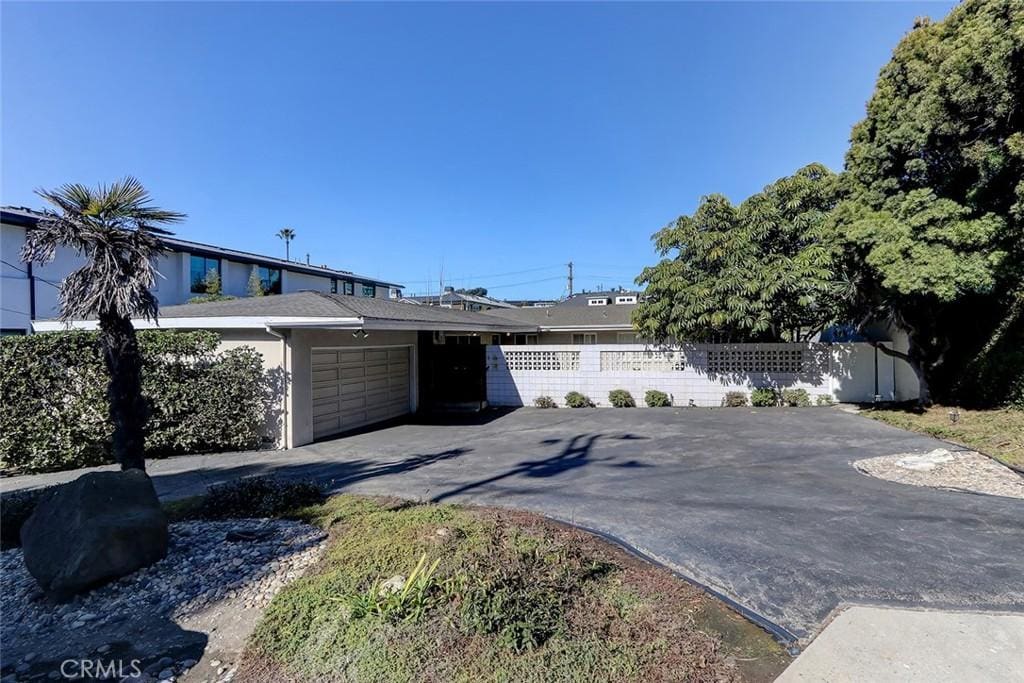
x=36 y=277
x=464 y=278
x=520 y=284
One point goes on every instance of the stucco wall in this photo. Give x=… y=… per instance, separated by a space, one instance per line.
x=294 y=282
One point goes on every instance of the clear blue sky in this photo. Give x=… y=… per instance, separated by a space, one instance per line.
x=495 y=137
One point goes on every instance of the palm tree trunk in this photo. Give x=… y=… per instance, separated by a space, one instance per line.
x=128 y=409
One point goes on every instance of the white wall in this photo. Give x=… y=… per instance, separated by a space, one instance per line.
x=173 y=279
x=15 y=294
x=846 y=372
x=295 y=282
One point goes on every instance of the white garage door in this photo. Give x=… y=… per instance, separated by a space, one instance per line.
x=357 y=387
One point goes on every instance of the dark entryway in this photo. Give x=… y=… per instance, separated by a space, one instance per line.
x=453 y=377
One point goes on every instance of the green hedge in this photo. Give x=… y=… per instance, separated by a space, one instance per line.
x=55 y=409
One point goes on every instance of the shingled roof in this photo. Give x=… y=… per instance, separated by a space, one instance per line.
x=310 y=304
x=571 y=317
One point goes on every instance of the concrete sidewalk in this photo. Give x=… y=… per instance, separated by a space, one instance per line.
x=881 y=645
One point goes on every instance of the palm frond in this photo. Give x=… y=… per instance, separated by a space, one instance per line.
x=117 y=231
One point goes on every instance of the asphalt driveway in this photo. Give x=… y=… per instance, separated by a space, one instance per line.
x=760 y=505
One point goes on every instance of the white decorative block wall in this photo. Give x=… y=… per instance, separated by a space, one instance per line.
x=700 y=374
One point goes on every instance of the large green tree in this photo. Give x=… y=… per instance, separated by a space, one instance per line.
x=117 y=231
x=754 y=272
x=925 y=227
x=932 y=229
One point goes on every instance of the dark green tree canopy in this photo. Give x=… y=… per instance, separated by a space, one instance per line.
x=756 y=272
x=473 y=291
x=947 y=117
x=932 y=228
x=925 y=227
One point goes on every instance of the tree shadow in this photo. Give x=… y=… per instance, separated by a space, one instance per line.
x=334 y=475
x=575 y=453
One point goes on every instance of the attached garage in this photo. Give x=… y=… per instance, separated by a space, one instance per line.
x=355 y=387
x=335 y=362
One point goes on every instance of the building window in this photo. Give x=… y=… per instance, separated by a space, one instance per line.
x=584 y=338
x=524 y=340
x=625 y=299
x=369 y=290
x=334 y=286
x=200 y=267
x=350 y=287
x=462 y=339
x=270 y=278
x=627 y=338
x=597 y=302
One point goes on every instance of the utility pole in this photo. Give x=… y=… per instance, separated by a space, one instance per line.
x=570 y=278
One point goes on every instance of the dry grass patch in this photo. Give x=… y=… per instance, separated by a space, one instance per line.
x=513 y=598
x=999 y=433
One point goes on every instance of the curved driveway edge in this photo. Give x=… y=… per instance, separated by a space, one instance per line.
x=761 y=505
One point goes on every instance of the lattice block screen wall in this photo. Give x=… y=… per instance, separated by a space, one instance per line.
x=697 y=374
x=642 y=361
x=756 y=360
x=542 y=360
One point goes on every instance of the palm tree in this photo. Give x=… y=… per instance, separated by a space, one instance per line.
x=287 y=234
x=115 y=229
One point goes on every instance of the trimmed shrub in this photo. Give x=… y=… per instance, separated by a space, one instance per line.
x=55 y=406
x=657 y=399
x=735 y=399
x=825 y=400
x=796 y=398
x=257 y=497
x=620 y=398
x=763 y=397
x=544 y=402
x=575 y=399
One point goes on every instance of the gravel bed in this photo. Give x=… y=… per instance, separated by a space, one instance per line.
x=238 y=564
x=942 y=468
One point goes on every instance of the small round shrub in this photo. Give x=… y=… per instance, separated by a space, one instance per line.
x=620 y=398
x=796 y=398
x=735 y=399
x=764 y=397
x=825 y=400
x=657 y=399
x=575 y=399
x=544 y=402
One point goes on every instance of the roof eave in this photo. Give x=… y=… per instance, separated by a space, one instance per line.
x=224 y=322
x=586 y=328
x=440 y=326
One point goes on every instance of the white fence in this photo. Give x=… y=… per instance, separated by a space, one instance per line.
x=693 y=374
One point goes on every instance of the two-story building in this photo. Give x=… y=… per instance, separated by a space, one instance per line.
x=31 y=292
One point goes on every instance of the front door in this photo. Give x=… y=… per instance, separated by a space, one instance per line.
x=456 y=376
